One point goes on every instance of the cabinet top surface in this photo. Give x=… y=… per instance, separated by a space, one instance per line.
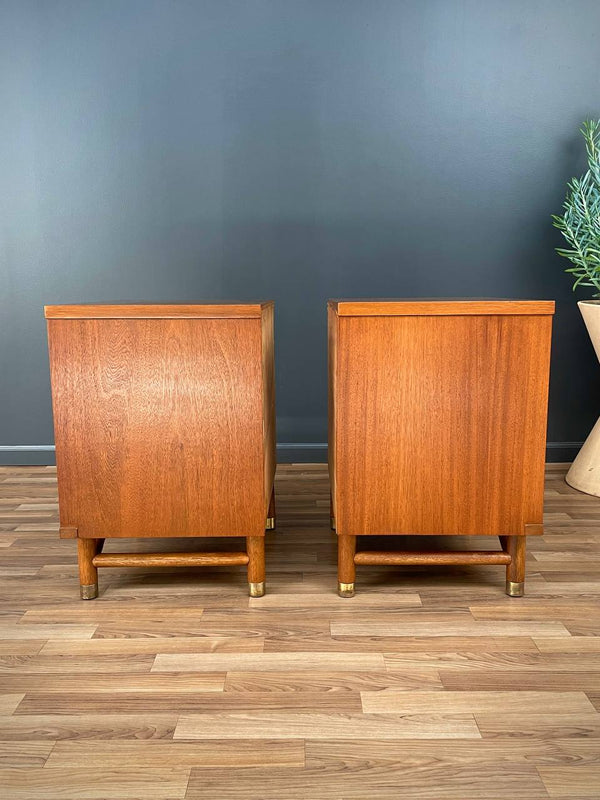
x=150 y=311
x=397 y=307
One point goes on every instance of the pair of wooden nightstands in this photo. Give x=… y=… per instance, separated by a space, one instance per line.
x=164 y=422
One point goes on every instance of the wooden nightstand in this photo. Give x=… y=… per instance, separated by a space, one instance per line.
x=437 y=426
x=164 y=419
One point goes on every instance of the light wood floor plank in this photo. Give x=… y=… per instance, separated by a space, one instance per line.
x=24 y=755
x=546 y=680
x=477 y=702
x=152 y=645
x=114 y=683
x=253 y=725
x=468 y=628
x=576 y=644
x=537 y=609
x=469 y=662
x=267 y=662
x=217 y=754
x=399 y=644
x=53 y=727
x=56 y=783
x=11 y=665
x=334 y=782
x=574 y=781
x=480 y=753
x=332 y=602
x=21 y=647
x=329 y=681
x=105 y=612
x=9 y=702
x=36 y=703
x=18 y=631
x=538 y=725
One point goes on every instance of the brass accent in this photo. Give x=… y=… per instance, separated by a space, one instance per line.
x=270 y=526
x=89 y=591
x=345 y=589
x=515 y=588
x=257 y=589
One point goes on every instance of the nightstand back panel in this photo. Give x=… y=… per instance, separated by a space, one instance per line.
x=439 y=423
x=159 y=426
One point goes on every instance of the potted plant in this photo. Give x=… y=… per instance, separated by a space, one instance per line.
x=580 y=225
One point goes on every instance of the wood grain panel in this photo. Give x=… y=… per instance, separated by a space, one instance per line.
x=464 y=433
x=129 y=461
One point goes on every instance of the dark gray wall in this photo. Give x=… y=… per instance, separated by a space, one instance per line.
x=288 y=149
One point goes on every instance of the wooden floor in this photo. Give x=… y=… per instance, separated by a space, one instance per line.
x=429 y=683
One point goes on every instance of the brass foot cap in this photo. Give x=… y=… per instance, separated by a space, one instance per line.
x=346 y=589
x=270 y=526
x=257 y=589
x=89 y=591
x=515 y=588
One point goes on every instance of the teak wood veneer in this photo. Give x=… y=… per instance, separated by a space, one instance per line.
x=164 y=419
x=437 y=426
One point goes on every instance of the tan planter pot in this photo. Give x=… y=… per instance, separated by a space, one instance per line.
x=584 y=473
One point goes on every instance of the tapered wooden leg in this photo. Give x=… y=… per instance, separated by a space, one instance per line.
x=331 y=514
x=346 y=565
x=255 y=545
x=271 y=512
x=515 y=571
x=88 y=574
